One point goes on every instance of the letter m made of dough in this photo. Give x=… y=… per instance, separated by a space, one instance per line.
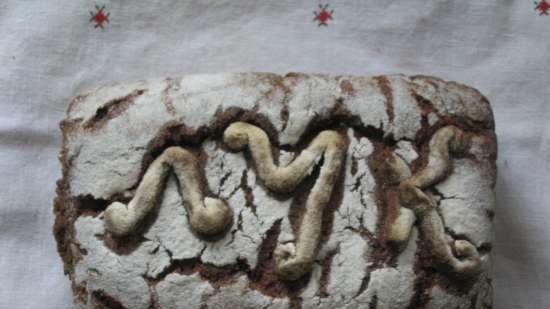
x=293 y=261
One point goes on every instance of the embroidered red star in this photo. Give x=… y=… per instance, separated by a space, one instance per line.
x=542 y=6
x=99 y=17
x=323 y=15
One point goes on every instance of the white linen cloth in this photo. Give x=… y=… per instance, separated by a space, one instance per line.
x=49 y=51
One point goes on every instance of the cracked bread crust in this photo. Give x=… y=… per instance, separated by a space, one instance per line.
x=113 y=134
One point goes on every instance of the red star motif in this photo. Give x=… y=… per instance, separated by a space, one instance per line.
x=99 y=17
x=323 y=15
x=543 y=6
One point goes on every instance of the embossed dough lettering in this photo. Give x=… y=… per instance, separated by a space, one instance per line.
x=210 y=216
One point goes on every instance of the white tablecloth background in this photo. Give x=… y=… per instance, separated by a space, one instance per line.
x=49 y=50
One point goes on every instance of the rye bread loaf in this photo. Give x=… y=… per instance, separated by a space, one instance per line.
x=257 y=190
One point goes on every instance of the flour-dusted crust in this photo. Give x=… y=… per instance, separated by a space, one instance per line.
x=256 y=190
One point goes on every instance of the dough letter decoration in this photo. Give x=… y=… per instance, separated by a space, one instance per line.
x=263 y=191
